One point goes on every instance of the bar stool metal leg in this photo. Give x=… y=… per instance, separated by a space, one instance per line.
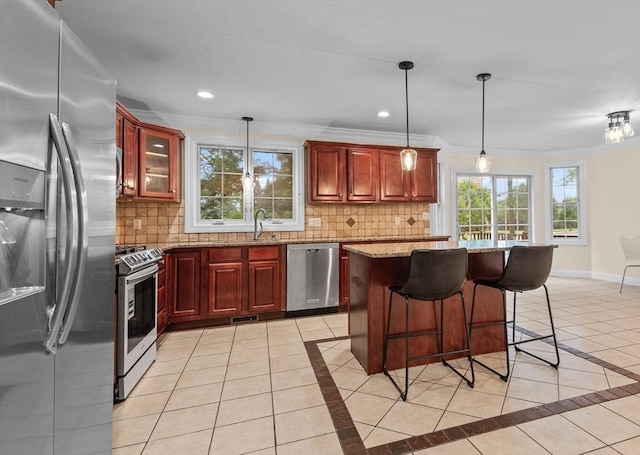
x=473 y=326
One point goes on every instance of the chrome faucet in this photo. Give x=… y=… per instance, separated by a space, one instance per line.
x=256 y=233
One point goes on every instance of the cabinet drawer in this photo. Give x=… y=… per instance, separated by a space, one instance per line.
x=263 y=252
x=217 y=255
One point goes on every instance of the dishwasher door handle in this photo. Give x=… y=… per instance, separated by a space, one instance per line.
x=313 y=250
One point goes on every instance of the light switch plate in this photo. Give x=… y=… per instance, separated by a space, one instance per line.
x=137 y=224
x=315 y=221
x=425 y=216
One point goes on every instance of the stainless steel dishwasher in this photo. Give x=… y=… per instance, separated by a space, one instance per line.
x=312 y=278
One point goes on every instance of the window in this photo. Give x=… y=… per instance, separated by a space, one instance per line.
x=493 y=207
x=222 y=198
x=566 y=202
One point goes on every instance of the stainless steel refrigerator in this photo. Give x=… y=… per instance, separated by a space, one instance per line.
x=57 y=230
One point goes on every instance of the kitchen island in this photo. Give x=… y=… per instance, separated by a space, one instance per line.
x=375 y=267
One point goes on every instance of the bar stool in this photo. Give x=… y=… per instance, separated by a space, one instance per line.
x=433 y=275
x=527 y=269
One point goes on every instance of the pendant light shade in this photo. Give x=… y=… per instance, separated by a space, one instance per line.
x=408 y=156
x=483 y=161
x=247 y=180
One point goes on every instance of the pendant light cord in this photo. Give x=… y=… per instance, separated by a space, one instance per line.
x=483 y=81
x=406 y=99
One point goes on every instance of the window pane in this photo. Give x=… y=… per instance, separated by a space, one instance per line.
x=273 y=172
x=565 y=203
x=210 y=208
x=221 y=192
x=283 y=208
x=232 y=208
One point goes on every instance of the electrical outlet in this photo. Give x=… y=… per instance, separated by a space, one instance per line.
x=315 y=222
x=397 y=221
x=137 y=224
x=425 y=216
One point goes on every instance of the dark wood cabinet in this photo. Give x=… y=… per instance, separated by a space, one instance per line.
x=362 y=175
x=325 y=172
x=397 y=185
x=394 y=182
x=370 y=173
x=157 y=163
x=127 y=143
x=224 y=281
x=184 y=271
x=163 y=313
x=150 y=158
x=424 y=181
x=266 y=267
x=212 y=283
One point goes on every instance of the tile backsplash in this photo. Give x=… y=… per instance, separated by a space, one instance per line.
x=163 y=223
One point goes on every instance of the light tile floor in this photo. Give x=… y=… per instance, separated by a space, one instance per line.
x=251 y=388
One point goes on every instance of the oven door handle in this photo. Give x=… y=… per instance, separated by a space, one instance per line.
x=140 y=276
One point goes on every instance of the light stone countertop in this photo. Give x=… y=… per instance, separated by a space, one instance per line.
x=388 y=250
x=268 y=242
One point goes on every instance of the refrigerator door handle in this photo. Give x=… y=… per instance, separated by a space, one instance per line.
x=70 y=257
x=82 y=234
x=119 y=182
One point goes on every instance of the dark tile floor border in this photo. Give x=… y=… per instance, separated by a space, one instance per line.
x=352 y=443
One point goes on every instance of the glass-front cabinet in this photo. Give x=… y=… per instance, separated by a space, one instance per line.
x=158 y=164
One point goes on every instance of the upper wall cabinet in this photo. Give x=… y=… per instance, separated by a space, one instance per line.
x=420 y=185
x=345 y=173
x=150 y=158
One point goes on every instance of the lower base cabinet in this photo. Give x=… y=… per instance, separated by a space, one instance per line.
x=211 y=283
x=184 y=280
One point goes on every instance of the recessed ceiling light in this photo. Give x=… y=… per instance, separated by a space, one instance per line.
x=205 y=94
x=383 y=114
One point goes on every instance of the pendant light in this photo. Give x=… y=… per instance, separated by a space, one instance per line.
x=617 y=132
x=247 y=181
x=408 y=156
x=483 y=161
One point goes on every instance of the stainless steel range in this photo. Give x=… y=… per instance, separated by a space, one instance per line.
x=137 y=308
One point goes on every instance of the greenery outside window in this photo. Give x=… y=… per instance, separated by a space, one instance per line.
x=493 y=207
x=565 y=194
x=225 y=186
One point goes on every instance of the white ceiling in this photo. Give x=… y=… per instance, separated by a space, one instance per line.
x=558 y=66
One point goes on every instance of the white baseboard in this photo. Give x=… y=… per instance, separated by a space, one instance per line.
x=631 y=281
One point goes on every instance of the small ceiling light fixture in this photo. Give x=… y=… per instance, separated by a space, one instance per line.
x=483 y=161
x=247 y=180
x=617 y=132
x=204 y=94
x=383 y=114
x=408 y=156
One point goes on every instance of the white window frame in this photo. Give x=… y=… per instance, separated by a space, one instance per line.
x=533 y=203
x=192 y=190
x=582 y=239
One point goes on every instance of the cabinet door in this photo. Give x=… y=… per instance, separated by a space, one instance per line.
x=162 y=319
x=362 y=174
x=393 y=180
x=325 y=173
x=344 y=277
x=225 y=289
x=184 y=284
x=424 y=181
x=158 y=164
x=265 y=292
x=129 y=158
